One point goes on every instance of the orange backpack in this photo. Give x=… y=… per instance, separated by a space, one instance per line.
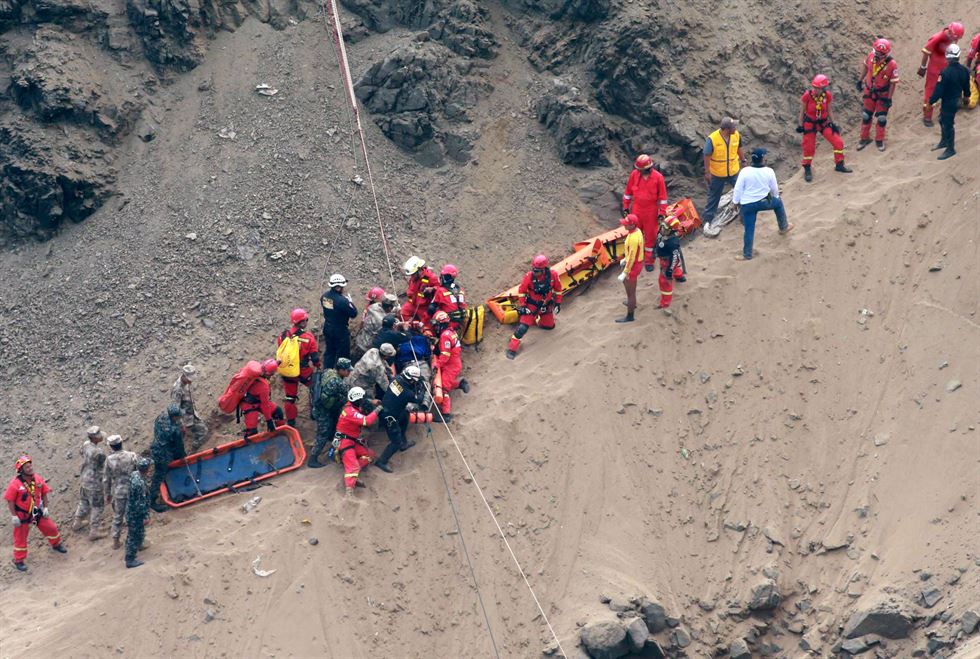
x=240 y=382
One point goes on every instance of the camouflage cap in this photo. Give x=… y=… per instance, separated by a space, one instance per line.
x=143 y=464
x=115 y=440
x=189 y=372
x=344 y=364
x=174 y=410
x=387 y=350
x=95 y=431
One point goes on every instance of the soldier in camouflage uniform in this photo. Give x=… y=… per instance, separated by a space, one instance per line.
x=167 y=445
x=137 y=511
x=90 y=503
x=373 y=371
x=118 y=467
x=327 y=408
x=194 y=427
x=374 y=315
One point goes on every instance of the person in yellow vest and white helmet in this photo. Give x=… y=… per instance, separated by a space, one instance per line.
x=723 y=157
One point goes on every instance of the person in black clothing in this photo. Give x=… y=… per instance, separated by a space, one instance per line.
x=389 y=332
x=954 y=84
x=404 y=390
x=337 y=313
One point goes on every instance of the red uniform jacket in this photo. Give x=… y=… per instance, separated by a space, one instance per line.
x=450 y=300
x=448 y=357
x=24 y=499
x=352 y=420
x=817 y=106
x=257 y=398
x=309 y=351
x=936 y=49
x=646 y=195
x=879 y=75
x=541 y=291
x=417 y=285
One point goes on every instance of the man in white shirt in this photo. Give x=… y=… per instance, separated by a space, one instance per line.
x=756 y=190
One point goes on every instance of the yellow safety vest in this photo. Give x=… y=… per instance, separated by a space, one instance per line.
x=724 y=157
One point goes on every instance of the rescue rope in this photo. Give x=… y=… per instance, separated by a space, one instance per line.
x=338 y=39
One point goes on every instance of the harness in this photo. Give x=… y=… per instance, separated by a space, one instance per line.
x=817 y=123
x=542 y=289
x=32 y=512
x=870 y=90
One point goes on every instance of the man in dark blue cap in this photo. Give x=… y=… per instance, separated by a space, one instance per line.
x=756 y=190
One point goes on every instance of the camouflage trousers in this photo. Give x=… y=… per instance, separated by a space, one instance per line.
x=91 y=505
x=196 y=431
x=119 y=513
x=134 y=538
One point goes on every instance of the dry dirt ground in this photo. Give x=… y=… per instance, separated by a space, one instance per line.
x=683 y=457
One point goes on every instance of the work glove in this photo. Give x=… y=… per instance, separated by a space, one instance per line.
x=859 y=85
x=45 y=513
x=411 y=407
x=270 y=426
x=523 y=311
x=887 y=102
x=15 y=520
x=799 y=129
x=626 y=212
x=921 y=72
x=557 y=308
x=622 y=276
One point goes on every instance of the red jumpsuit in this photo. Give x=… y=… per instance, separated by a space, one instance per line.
x=879 y=75
x=539 y=294
x=450 y=365
x=971 y=56
x=255 y=402
x=453 y=302
x=309 y=352
x=353 y=453
x=817 y=109
x=26 y=495
x=418 y=295
x=935 y=48
x=646 y=197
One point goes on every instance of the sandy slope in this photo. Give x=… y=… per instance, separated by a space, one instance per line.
x=596 y=501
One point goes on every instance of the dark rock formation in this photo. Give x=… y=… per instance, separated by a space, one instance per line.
x=579 y=130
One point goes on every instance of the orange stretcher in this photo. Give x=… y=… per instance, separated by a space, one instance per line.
x=231 y=466
x=589 y=258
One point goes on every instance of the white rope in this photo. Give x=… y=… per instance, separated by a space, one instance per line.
x=349 y=86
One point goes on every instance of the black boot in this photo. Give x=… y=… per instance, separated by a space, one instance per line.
x=464 y=386
x=60 y=548
x=158 y=506
x=313 y=463
x=862 y=144
x=291 y=423
x=511 y=354
x=807 y=173
x=941 y=145
x=841 y=167
x=880 y=144
x=383 y=466
x=948 y=153
x=132 y=562
x=628 y=318
x=409 y=443
x=20 y=566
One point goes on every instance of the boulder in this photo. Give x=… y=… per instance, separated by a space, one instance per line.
x=884 y=618
x=577 y=10
x=637 y=634
x=605 y=640
x=739 y=649
x=680 y=638
x=764 y=596
x=579 y=130
x=969 y=622
x=859 y=645
x=654 y=615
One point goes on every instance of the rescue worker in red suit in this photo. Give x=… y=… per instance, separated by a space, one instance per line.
x=934 y=61
x=669 y=251
x=646 y=197
x=878 y=80
x=257 y=400
x=309 y=361
x=449 y=297
x=353 y=452
x=27 y=501
x=448 y=361
x=421 y=287
x=972 y=58
x=540 y=301
x=816 y=117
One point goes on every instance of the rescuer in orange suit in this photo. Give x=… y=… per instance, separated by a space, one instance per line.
x=816 y=117
x=934 y=61
x=878 y=80
x=669 y=251
x=448 y=361
x=354 y=454
x=646 y=197
x=450 y=297
x=257 y=400
x=27 y=500
x=540 y=301
x=309 y=353
x=421 y=288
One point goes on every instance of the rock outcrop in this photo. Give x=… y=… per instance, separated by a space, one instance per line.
x=579 y=130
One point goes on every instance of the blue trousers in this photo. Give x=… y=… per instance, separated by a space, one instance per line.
x=715 y=189
x=749 y=212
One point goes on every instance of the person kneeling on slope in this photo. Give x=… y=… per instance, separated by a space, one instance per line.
x=352 y=451
x=539 y=303
x=448 y=361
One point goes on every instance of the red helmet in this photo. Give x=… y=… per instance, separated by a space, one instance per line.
x=956 y=30
x=375 y=294
x=643 y=161
x=450 y=269
x=630 y=220
x=269 y=366
x=882 y=46
x=820 y=81
x=440 y=318
x=298 y=316
x=21 y=461
x=540 y=262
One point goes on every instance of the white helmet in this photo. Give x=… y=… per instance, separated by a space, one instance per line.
x=355 y=394
x=337 y=279
x=413 y=372
x=952 y=51
x=413 y=265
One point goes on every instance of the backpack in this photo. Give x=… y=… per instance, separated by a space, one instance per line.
x=287 y=354
x=324 y=400
x=472 y=330
x=422 y=350
x=237 y=388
